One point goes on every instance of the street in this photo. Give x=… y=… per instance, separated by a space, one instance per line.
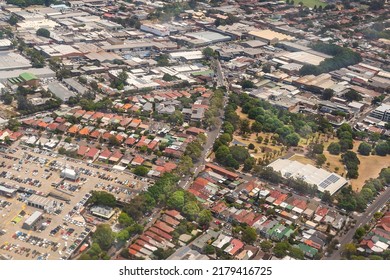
x=361 y=221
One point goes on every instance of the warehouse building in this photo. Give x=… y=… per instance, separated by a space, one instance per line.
x=69 y=174
x=32 y=220
x=40 y=202
x=324 y=180
x=60 y=91
x=12 y=61
x=4 y=191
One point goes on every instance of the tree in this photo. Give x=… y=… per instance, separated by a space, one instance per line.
x=349 y=249
x=191 y=210
x=364 y=149
x=266 y=246
x=320 y=159
x=123 y=235
x=205 y=218
x=327 y=94
x=13 y=20
x=103 y=236
x=7 y=98
x=222 y=153
x=102 y=198
x=266 y=68
x=113 y=141
x=385 y=175
x=256 y=126
x=359 y=233
x=140 y=170
x=208 y=52
x=176 y=200
x=249 y=235
x=247 y=84
x=245 y=126
x=249 y=163
x=292 y=139
x=43 y=32
x=353 y=95
x=13 y=124
x=316 y=148
x=163 y=60
x=382 y=149
x=208 y=249
x=125 y=220
x=239 y=153
x=281 y=248
x=296 y=253
x=167 y=77
x=334 y=148
x=326 y=197
x=162 y=254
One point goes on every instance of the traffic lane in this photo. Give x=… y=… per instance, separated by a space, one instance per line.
x=361 y=221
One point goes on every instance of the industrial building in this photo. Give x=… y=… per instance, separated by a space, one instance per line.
x=102 y=212
x=40 y=202
x=69 y=174
x=324 y=180
x=32 y=220
x=156 y=29
x=4 y=191
x=12 y=61
x=60 y=91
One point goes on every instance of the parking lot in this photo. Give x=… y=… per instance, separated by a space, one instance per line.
x=35 y=172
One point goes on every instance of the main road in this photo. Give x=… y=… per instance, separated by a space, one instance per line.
x=212 y=135
x=361 y=220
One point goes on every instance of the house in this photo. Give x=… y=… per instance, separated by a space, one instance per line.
x=92 y=154
x=82 y=150
x=234 y=248
x=104 y=155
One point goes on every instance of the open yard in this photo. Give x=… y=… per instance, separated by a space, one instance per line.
x=369 y=167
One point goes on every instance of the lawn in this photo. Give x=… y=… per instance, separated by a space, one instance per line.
x=311 y=3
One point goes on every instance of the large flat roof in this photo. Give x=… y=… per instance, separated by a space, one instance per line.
x=12 y=60
x=324 y=180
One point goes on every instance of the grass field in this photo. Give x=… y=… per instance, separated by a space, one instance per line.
x=311 y=3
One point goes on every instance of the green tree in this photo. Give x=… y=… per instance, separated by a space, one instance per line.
x=103 y=236
x=191 y=210
x=327 y=94
x=249 y=235
x=208 y=52
x=13 y=124
x=205 y=218
x=353 y=95
x=176 y=200
x=141 y=170
x=43 y=32
x=167 y=77
x=208 y=250
x=266 y=246
x=102 y=198
x=292 y=139
x=326 y=197
x=349 y=249
x=382 y=149
x=125 y=220
x=7 y=98
x=320 y=159
x=364 y=149
x=334 y=148
x=123 y=235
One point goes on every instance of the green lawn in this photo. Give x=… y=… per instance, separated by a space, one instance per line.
x=311 y=3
